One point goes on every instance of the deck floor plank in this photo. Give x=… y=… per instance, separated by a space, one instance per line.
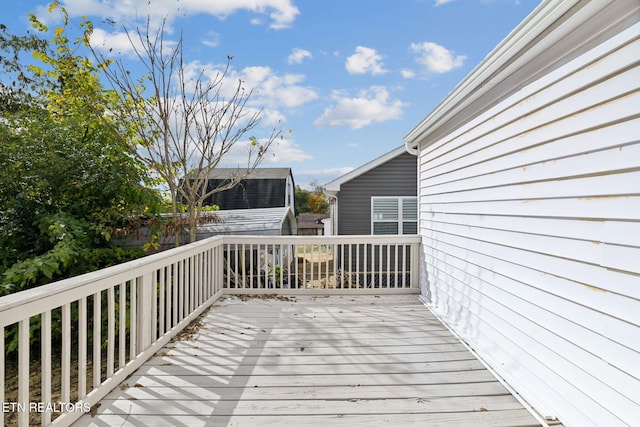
x=340 y=360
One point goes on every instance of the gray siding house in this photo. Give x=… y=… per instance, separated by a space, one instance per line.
x=376 y=198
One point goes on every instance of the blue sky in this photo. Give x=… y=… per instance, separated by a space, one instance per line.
x=350 y=78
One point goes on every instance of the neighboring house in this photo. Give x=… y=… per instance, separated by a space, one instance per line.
x=262 y=188
x=376 y=198
x=310 y=224
x=529 y=176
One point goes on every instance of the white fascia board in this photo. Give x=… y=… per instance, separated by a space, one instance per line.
x=288 y=215
x=333 y=187
x=525 y=42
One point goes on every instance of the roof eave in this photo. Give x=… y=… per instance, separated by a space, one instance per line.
x=499 y=65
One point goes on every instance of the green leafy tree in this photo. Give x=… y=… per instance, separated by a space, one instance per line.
x=302 y=200
x=67 y=182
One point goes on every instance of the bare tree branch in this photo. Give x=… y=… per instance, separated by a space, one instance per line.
x=183 y=124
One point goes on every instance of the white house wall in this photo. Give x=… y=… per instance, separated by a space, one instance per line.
x=530 y=219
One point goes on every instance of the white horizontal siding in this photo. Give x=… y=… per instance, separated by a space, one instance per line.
x=530 y=219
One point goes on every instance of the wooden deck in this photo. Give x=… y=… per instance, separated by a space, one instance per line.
x=339 y=360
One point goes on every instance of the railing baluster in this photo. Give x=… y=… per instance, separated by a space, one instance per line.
x=282 y=264
x=45 y=362
x=199 y=271
x=380 y=253
x=236 y=266
x=220 y=268
x=23 y=371
x=211 y=277
x=312 y=257
x=133 y=324
x=365 y=267
x=227 y=258
x=180 y=282
x=326 y=263
x=252 y=250
x=174 y=291
x=206 y=274
x=304 y=265
x=82 y=347
x=290 y=260
x=97 y=340
x=161 y=314
x=340 y=264
x=65 y=375
x=153 y=296
x=111 y=327
x=195 y=282
x=200 y=267
x=185 y=287
x=190 y=282
x=122 y=332
x=388 y=265
x=405 y=254
x=350 y=266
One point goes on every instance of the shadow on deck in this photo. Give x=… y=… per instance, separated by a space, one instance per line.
x=313 y=360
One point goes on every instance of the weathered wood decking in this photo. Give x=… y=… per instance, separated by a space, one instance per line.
x=338 y=360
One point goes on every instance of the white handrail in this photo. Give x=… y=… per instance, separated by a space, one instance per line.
x=137 y=307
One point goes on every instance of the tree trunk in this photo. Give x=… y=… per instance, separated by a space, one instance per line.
x=174 y=217
x=193 y=223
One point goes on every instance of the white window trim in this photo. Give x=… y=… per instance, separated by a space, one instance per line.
x=400 y=221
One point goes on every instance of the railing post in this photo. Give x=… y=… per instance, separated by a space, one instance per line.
x=144 y=317
x=415 y=265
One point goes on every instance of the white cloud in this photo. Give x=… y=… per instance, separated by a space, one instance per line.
x=117 y=43
x=281 y=151
x=372 y=105
x=270 y=90
x=298 y=55
x=437 y=59
x=407 y=74
x=273 y=90
x=282 y=13
x=441 y=2
x=212 y=39
x=365 y=61
x=285 y=151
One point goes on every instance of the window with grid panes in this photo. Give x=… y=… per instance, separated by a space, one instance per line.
x=394 y=215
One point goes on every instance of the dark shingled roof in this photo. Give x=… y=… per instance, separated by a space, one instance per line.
x=310 y=220
x=258 y=173
x=263 y=188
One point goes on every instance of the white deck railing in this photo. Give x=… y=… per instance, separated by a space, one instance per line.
x=99 y=327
